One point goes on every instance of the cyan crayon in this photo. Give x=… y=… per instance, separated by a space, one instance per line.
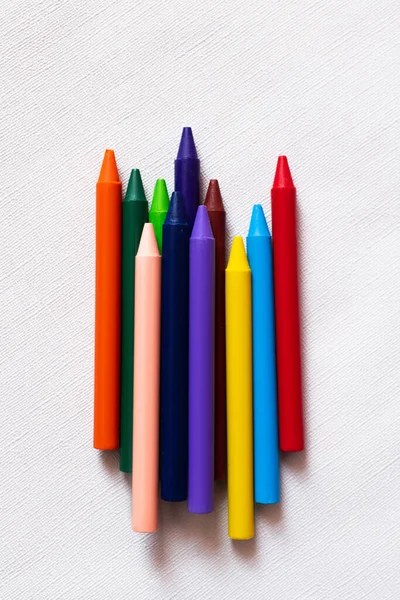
x=187 y=175
x=265 y=413
x=174 y=353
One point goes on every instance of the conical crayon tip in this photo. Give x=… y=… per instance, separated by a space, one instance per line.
x=109 y=171
x=213 y=199
x=187 y=148
x=283 y=177
x=258 y=223
x=160 y=201
x=238 y=259
x=202 y=227
x=148 y=243
x=176 y=212
x=135 y=190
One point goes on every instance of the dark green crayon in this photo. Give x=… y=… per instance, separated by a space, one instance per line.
x=159 y=209
x=134 y=215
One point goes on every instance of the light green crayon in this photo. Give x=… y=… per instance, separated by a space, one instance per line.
x=159 y=209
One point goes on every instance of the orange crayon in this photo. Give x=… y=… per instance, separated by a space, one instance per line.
x=146 y=385
x=108 y=306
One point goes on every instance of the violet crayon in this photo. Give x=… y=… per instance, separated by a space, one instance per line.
x=201 y=364
x=187 y=175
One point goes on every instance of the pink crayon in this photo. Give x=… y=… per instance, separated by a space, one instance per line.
x=146 y=383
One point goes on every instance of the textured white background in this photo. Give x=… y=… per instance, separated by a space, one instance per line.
x=316 y=80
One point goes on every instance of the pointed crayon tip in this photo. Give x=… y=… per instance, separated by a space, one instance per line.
x=135 y=190
x=238 y=259
x=258 y=223
x=213 y=199
x=148 y=243
x=109 y=171
x=187 y=148
x=283 y=177
x=202 y=227
x=176 y=212
x=160 y=201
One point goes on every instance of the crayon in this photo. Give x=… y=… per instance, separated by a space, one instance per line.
x=288 y=352
x=134 y=216
x=216 y=213
x=187 y=175
x=159 y=209
x=265 y=415
x=108 y=306
x=146 y=383
x=239 y=394
x=174 y=353
x=201 y=365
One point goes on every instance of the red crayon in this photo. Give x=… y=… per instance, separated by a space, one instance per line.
x=284 y=242
x=216 y=213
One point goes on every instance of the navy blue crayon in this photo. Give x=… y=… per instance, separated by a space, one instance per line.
x=187 y=175
x=174 y=353
x=265 y=413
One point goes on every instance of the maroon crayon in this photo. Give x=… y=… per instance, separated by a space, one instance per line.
x=216 y=213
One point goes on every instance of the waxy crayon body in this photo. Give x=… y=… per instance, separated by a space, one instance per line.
x=187 y=175
x=216 y=213
x=239 y=394
x=201 y=365
x=158 y=210
x=284 y=236
x=146 y=383
x=134 y=215
x=108 y=307
x=174 y=353
x=265 y=417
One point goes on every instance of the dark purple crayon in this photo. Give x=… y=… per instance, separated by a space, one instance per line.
x=201 y=364
x=187 y=175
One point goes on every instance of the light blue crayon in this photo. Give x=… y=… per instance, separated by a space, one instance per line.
x=265 y=412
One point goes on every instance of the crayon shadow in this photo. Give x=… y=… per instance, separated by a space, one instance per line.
x=127 y=477
x=230 y=232
x=207 y=530
x=246 y=549
x=204 y=181
x=156 y=543
x=295 y=461
x=221 y=507
x=210 y=529
x=110 y=461
x=170 y=516
x=203 y=530
x=272 y=514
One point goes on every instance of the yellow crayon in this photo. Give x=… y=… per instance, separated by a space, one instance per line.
x=239 y=394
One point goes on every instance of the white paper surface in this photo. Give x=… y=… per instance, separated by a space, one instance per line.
x=318 y=81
